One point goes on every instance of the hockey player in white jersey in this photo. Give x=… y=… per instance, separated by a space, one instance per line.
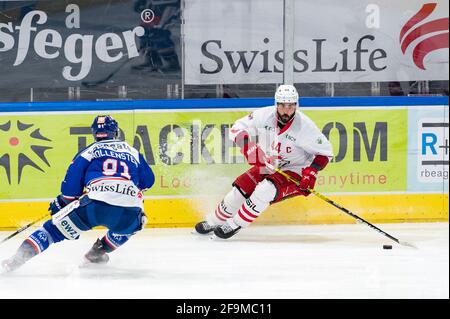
x=103 y=186
x=283 y=137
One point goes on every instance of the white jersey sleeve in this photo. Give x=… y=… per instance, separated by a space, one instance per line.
x=312 y=139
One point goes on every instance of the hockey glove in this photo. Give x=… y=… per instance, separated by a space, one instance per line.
x=309 y=176
x=254 y=154
x=57 y=204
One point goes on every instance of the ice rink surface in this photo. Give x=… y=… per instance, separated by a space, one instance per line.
x=278 y=262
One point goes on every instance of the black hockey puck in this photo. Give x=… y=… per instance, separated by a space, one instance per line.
x=387 y=246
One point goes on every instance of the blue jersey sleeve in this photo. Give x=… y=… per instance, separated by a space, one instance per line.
x=73 y=183
x=146 y=176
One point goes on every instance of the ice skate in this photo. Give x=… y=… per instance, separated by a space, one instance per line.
x=96 y=255
x=204 y=228
x=23 y=254
x=11 y=264
x=226 y=230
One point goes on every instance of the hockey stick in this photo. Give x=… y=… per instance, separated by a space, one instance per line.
x=56 y=218
x=341 y=208
x=23 y=228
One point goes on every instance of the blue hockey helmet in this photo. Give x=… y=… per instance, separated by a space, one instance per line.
x=105 y=128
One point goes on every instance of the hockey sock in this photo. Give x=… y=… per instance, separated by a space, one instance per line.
x=113 y=241
x=227 y=207
x=36 y=243
x=260 y=199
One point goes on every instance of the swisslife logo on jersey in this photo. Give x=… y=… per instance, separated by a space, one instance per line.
x=433 y=140
x=25 y=145
x=432 y=34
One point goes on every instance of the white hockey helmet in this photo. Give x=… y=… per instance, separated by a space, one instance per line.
x=286 y=94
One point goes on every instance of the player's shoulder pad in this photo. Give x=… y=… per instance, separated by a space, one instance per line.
x=263 y=112
x=83 y=151
x=306 y=122
x=133 y=151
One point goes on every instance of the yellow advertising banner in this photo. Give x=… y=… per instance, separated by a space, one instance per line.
x=195 y=162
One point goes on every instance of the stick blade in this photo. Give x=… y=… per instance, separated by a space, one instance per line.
x=404 y=243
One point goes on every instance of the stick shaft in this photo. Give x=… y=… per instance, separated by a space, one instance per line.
x=338 y=206
x=353 y=215
x=22 y=229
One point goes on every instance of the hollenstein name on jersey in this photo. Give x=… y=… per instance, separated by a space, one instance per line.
x=115 y=149
x=107 y=153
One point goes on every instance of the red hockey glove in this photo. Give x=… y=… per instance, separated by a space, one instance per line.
x=309 y=176
x=254 y=154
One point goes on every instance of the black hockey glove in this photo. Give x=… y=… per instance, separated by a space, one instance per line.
x=57 y=204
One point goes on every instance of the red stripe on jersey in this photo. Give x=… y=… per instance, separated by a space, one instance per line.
x=248 y=213
x=320 y=161
x=244 y=218
x=286 y=127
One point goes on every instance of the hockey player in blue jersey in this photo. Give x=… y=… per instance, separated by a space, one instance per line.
x=103 y=187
